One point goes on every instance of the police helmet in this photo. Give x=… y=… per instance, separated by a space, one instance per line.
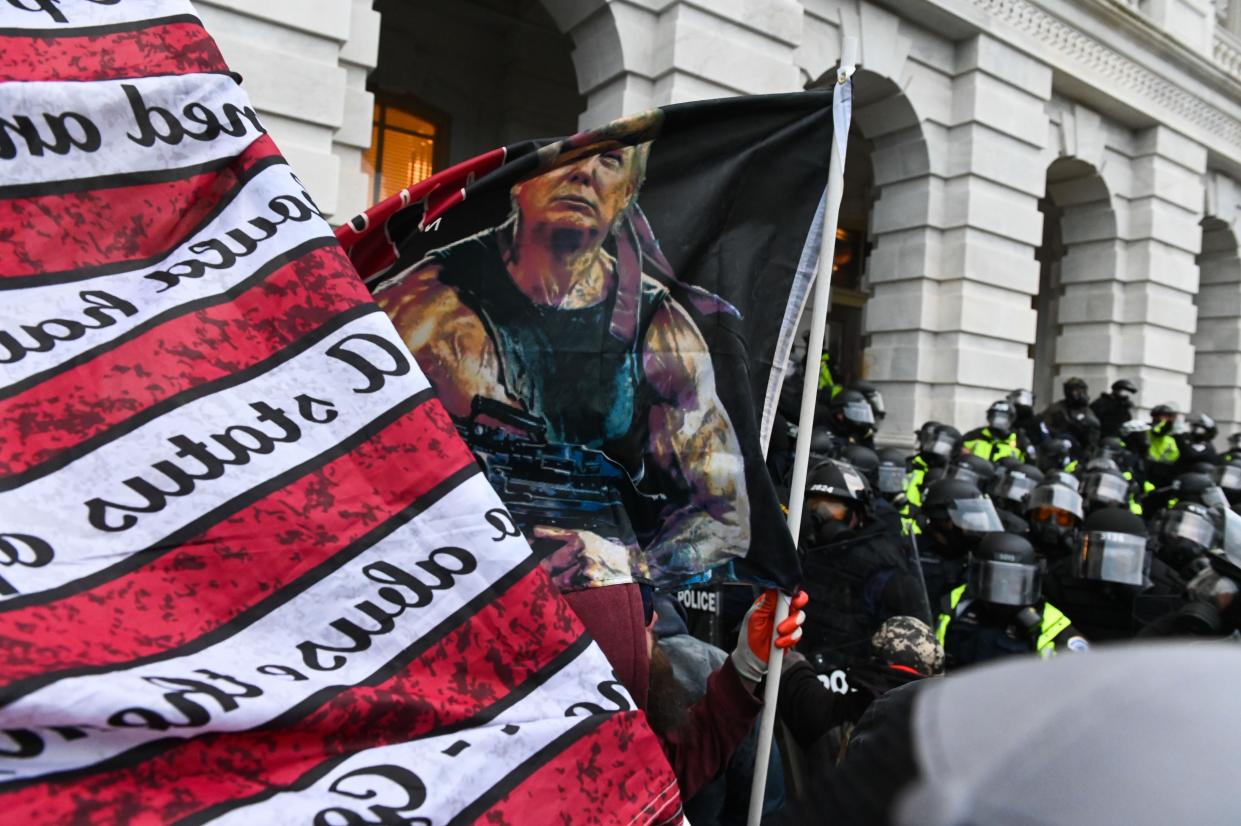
x=1200 y=488
x=940 y=445
x=1001 y=418
x=1004 y=570
x=1163 y=418
x=835 y=493
x=1113 y=548
x=1110 y=447
x=851 y=415
x=1103 y=465
x=1186 y=532
x=960 y=511
x=891 y=471
x=1228 y=477
x=864 y=460
x=1014 y=488
x=1021 y=398
x=1202 y=428
x=1063 y=478
x=974 y=469
x=1055 y=452
x=1076 y=391
x=1104 y=487
x=873 y=397
x=1124 y=387
x=1055 y=513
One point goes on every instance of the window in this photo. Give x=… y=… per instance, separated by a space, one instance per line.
x=405 y=148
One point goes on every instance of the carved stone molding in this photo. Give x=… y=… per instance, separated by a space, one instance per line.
x=1099 y=60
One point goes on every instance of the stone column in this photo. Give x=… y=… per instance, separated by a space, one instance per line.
x=304 y=66
x=952 y=269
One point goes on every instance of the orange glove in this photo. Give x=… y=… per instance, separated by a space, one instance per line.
x=754 y=642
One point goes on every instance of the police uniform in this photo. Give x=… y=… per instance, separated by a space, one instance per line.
x=983 y=443
x=968 y=637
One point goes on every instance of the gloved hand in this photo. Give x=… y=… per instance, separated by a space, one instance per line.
x=754 y=641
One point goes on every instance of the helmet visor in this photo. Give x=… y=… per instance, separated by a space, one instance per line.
x=876 y=404
x=891 y=479
x=1191 y=527
x=1213 y=497
x=1005 y=583
x=1106 y=489
x=965 y=474
x=975 y=515
x=1015 y=487
x=1228 y=477
x=1022 y=397
x=941 y=445
x=1000 y=420
x=1058 y=497
x=1232 y=537
x=859 y=413
x=828 y=509
x=1113 y=557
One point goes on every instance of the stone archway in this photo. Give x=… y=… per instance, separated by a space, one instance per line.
x=1076 y=301
x=1216 y=378
x=493 y=71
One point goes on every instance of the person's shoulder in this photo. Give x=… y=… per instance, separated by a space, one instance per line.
x=976 y=433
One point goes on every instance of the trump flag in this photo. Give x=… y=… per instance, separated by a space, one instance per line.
x=249 y=573
x=607 y=319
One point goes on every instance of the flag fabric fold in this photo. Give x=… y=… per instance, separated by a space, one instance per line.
x=248 y=570
x=607 y=319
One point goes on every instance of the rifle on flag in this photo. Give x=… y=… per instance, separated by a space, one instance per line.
x=251 y=573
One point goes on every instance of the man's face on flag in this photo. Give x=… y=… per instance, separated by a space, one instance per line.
x=587 y=196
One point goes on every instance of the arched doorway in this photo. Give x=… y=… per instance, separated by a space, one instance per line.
x=456 y=78
x=1077 y=259
x=1216 y=378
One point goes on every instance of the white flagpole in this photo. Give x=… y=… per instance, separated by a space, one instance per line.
x=841 y=115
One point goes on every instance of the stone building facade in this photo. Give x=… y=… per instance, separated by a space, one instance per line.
x=1036 y=188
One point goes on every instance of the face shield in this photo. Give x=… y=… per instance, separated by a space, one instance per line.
x=891 y=479
x=859 y=413
x=1005 y=583
x=1213 y=497
x=1001 y=420
x=966 y=474
x=975 y=515
x=941 y=445
x=1015 y=487
x=1189 y=527
x=1058 y=498
x=876 y=405
x=1231 y=543
x=1113 y=557
x=1105 y=489
x=1228 y=477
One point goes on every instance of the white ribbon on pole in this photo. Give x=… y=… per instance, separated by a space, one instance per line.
x=842 y=113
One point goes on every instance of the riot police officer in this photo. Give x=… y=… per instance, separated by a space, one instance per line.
x=1000 y=611
x=973 y=469
x=999 y=439
x=1115 y=408
x=1055 y=515
x=954 y=516
x=1184 y=535
x=1163 y=450
x=853 y=565
x=1071 y=416
x=1104 y=486
x=1029 y=424
x=850 y=418
x=1097 y=585
x=891 y=475
x=1227 y=476
x=1197 y=442
x=938 y=445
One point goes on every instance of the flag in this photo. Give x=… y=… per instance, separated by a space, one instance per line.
x=248 y=571
x=608 y=319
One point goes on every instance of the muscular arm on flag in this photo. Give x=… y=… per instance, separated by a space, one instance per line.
x=447 y=339
x=693 y=440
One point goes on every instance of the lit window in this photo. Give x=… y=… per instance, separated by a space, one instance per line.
x=402 y=150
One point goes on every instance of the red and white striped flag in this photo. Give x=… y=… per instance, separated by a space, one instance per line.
x=248 y=571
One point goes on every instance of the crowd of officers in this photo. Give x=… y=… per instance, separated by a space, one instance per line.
x=1036 y=532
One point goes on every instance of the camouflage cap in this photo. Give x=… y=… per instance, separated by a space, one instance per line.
x=909 y=642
